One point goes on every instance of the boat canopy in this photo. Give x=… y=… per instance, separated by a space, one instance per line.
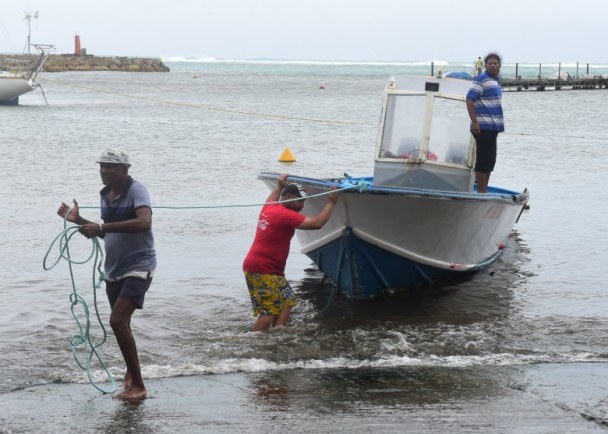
x=424 y=138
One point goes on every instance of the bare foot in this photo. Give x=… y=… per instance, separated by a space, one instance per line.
x=127 y=380
x=133 y=392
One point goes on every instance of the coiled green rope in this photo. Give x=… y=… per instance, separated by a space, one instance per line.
x=83 y=338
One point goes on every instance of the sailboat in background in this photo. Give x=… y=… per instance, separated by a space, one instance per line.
x=18 y=76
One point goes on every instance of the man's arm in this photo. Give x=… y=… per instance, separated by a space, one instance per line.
x=471 y=109
x=142 y=222
x=317 y=222
x=275 y=194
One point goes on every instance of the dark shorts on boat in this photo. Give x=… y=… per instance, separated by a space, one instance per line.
x=486 y=151
x=130 y=288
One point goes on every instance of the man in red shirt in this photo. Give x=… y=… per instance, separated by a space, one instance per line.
x=264 y=266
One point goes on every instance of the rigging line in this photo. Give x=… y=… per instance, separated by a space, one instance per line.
x=206 y=107
x=7 y=37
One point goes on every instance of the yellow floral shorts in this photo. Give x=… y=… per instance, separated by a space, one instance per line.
x=269 y=293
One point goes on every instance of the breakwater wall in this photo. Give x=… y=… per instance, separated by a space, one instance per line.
x=67 y=62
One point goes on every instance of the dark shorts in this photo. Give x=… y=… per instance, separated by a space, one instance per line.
x=131 y=288
x=486 y=151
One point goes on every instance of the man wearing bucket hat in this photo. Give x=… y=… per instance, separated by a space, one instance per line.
x=130 y=259
x=264 y=266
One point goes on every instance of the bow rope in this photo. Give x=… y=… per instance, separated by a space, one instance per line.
x=83 y=337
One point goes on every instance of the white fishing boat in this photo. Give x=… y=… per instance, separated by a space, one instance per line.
x=419 y=218
x=17 y=78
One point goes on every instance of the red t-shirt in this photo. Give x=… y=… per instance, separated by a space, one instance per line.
x=270 y=248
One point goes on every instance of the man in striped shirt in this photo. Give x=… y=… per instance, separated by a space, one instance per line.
x=485 y=110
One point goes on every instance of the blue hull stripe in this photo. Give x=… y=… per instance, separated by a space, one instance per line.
x=363 y=271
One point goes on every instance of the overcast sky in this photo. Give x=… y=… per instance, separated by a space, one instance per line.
x=393 y=30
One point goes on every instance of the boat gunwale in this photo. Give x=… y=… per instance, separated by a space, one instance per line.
x=360 y=185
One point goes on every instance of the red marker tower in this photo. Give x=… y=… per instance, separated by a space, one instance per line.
x=77 y=51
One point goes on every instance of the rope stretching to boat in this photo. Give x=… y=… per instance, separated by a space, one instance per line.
x=83 y=337
x=260 y=114
x=207 y=107
x=360 y=186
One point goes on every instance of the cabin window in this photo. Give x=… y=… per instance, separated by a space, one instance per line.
x=403 y=126
x=450 y=136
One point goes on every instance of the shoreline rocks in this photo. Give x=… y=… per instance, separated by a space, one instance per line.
x=68 y=62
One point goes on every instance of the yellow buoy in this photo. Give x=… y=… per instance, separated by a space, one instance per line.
x=287 y=156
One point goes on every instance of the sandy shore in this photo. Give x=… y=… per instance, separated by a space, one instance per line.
x=527 y=399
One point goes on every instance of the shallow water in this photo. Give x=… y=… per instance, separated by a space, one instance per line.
x=200 y=142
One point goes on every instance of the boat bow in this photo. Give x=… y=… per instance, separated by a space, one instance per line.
x=419 y=219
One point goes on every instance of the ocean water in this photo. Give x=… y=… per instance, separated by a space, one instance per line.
x=198 y=136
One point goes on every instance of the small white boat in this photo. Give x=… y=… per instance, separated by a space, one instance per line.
x=18 y=80
x=419 y=219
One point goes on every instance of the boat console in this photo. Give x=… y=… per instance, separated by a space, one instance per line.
x=424 y=139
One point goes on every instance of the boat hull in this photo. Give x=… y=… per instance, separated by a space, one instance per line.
x=380 y=240
x=363 y=271
x=12 y=86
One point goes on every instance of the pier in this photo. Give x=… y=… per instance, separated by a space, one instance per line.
x=540 y=84
x=517 y=78
x=560 y=81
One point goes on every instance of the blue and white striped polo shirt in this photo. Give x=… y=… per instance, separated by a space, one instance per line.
x=486 y=93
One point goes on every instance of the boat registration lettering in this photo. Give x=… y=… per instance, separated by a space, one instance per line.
x=494 y=212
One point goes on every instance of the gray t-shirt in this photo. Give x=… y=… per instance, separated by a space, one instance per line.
x=127 y=252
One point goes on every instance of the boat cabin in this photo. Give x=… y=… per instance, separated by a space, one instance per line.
x=424 y=139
